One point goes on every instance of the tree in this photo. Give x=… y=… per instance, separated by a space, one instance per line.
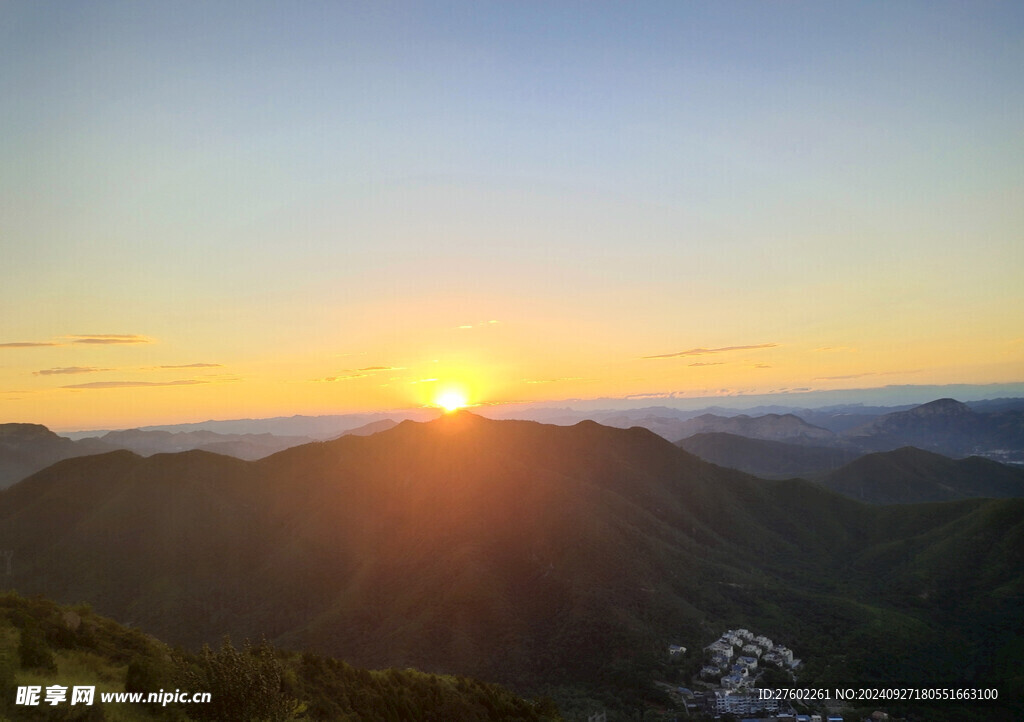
x=33 y=652
x=245 y=684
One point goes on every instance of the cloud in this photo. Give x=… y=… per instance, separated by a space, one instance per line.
x=28 y=344
x=69 y=370
x=825 y=349
x=554 y=381
x=133 y=384
x=705 y=351
x=381 y=368
x=868 y=373
x=423 y=381
x=192 y=366
x=652 y=395
x=109 y=338
x=482 y=324
x=841 y=378
x=708 y=363
x=762 y=366
x=332 y=379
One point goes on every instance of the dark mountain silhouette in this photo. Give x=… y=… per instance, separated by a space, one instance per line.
x=767 y=459
x=945 y=426
x=519 y=552
x=27 y=448
x=911 y=476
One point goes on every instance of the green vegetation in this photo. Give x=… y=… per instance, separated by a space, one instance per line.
x=559 y=561
x=74 y=646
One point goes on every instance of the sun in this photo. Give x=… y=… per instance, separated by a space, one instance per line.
x=451 y=400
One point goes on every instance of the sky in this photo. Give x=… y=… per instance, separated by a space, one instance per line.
x=224 y=210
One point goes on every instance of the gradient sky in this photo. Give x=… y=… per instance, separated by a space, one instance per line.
x=225 y=209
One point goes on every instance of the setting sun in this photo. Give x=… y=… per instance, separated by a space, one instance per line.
x=451 y=400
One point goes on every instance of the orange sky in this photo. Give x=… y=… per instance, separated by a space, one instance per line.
x=320 y=211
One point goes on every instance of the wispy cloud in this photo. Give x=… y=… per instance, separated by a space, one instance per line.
x=28 y=344
x=762 y=366
x=652 y=395
x=831 y=349
x=69 y=370
x=348 y=377
x=134 y=384
x=555 y=381
x=192 y=366
x=867 y=373
x=423 y=381
x=109 y=338
x=842 y=378
x=707 y=363
x=482 y=324
x=705 y=351
x=349 y=374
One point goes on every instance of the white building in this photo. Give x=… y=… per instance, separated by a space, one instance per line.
x=747 y=662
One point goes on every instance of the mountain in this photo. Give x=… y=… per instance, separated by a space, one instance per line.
x=523 y=553
x=43 y=643
x=371 y=428
x=242 y=446
x=945 y=426
x=911 y=476
x=313 y=427
x=772 y=427
x=767 y=459
x=27 y=448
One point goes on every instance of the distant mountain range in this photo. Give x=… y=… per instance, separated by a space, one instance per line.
x=767 y=459
x=27 y=448
x=771 y=427
x=525 y=553
x=993 y=428
x=241 y=446
x=319 y=428
x=945 y=426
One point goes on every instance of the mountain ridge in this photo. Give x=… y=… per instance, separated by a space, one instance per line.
x=510 y=550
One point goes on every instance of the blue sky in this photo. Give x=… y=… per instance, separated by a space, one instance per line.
x=274 y=186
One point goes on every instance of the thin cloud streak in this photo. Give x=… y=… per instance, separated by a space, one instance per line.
x=705 y=351
x=69 y=370
x=28 y=344
x=109 y=338
x=842 y=378
x=134 y=384
x=192 y=366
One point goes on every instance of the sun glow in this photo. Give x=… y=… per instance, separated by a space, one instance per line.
x=451 y=400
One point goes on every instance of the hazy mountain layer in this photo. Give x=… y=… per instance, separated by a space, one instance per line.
x=27 y=448
x=945 y=426
x=767 y=459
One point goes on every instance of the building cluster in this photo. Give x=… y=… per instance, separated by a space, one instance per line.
x=738 y=652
